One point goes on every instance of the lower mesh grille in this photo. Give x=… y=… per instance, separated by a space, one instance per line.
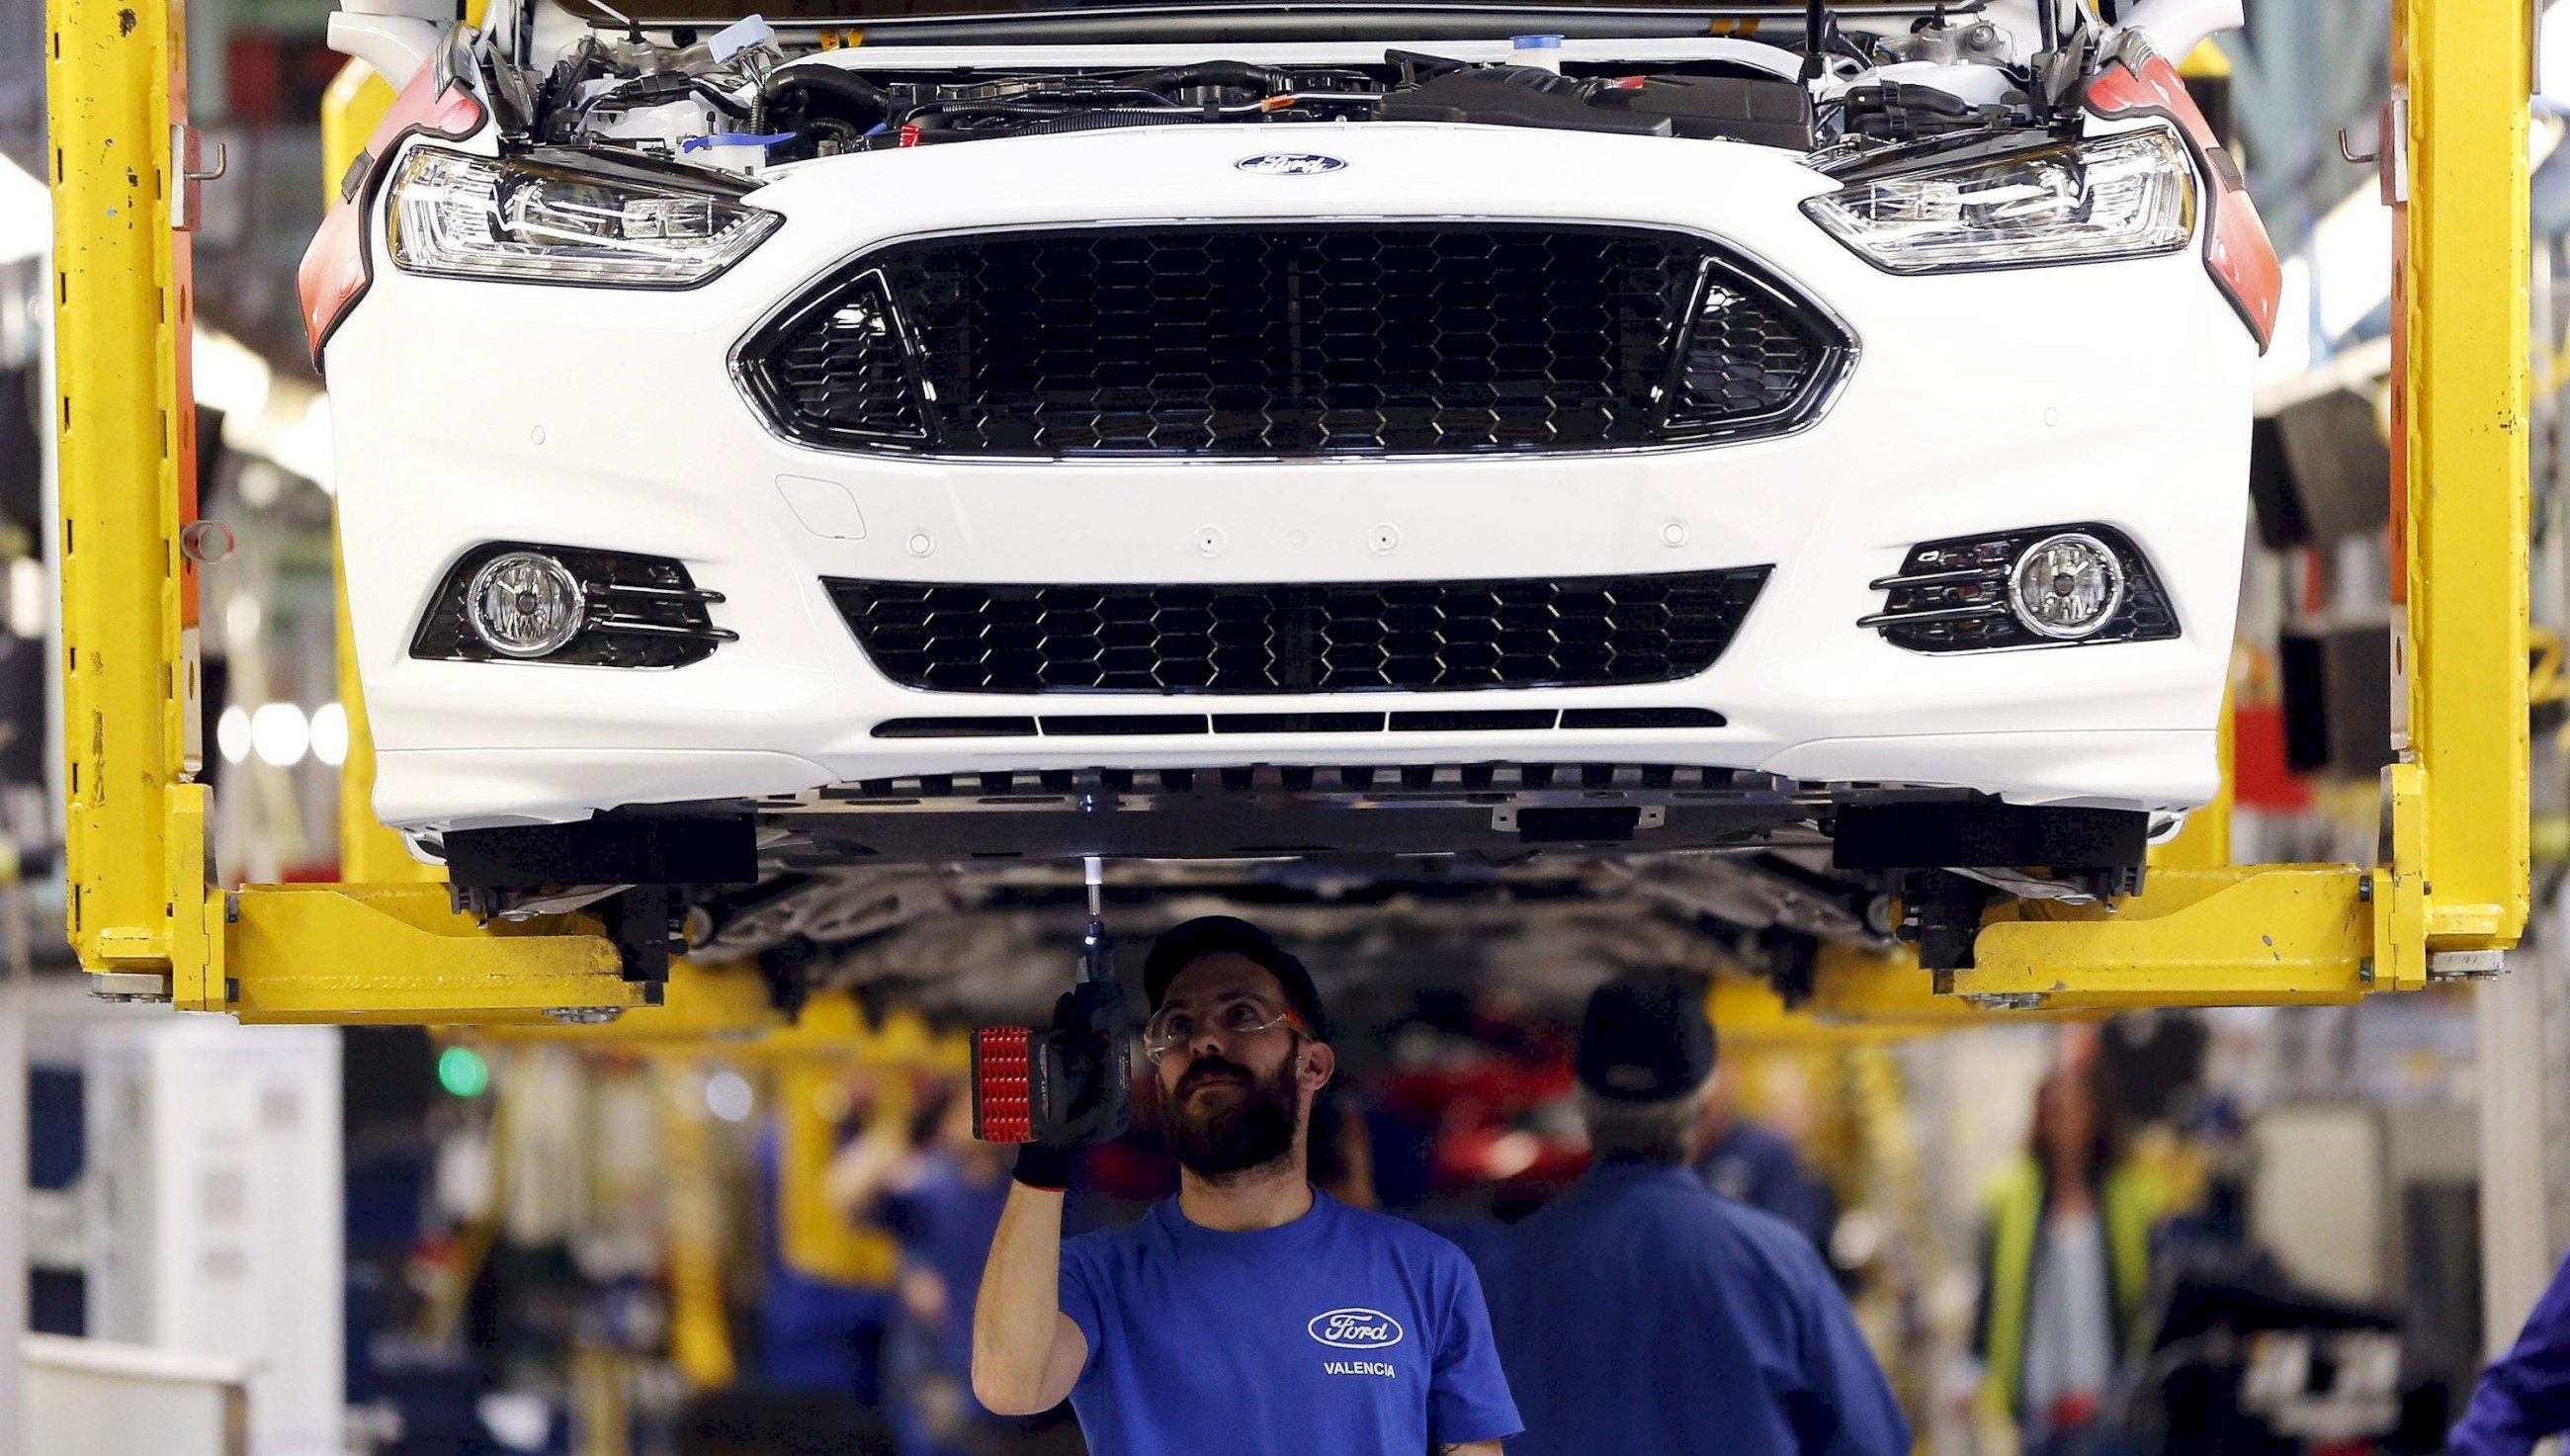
x=1346 y=637
x=1279 y=339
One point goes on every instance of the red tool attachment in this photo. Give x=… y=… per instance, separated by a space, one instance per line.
x=1003 y=1084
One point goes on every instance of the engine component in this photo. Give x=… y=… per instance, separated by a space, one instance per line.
x=793 y=96
x=1513 y=95
x=1763 y=111
x=1907 y=112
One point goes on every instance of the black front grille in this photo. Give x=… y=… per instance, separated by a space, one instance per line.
x=1293 y=340
x=1355 y=637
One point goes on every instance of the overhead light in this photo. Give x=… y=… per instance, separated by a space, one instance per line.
x=330 y=734
x=26 y=215
x=463 y=1072
x=230 y=375
x=727 y=1096
x=2552 y=53
x=232 y=733
x=279 y=734
x=303 y=446
x=30 y=595
x=243 y=615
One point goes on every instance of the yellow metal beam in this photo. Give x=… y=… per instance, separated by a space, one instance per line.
x=2275 y=935
x=722 y=1006
x=2462 y=342
x=397 y=953
x=122 y=313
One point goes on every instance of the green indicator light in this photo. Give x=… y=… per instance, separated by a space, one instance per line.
x=461 y=1071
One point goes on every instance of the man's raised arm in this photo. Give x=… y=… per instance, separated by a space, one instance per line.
x=1026 y=1353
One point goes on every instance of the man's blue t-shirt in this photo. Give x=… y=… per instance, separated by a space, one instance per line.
x=1342 y=1332
x=1645 y=1313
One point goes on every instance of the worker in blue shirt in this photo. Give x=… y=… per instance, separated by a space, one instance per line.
x=1645 y=1315
x=2524 y=1395
x=1750 y=1165
x=1251 y=1314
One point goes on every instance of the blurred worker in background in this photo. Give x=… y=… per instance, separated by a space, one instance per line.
x=2065 y=1257
x=2524 y=1395
x=941 y=1193
x=821 y=1331
x=1253 y=1313
x=1342 y=1151
x=1644 y=1312
x=1753 y=1165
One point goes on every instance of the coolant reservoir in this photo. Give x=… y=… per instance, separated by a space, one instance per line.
x=1540 y=51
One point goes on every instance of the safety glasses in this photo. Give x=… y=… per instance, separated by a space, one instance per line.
x=1174 y=1026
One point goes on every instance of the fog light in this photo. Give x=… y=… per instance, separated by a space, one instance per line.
x=2066 y=586
x=524 y=605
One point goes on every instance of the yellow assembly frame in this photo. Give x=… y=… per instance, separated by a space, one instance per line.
x=387 y=947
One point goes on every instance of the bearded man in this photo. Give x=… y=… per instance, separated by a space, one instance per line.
x=1252 y=1313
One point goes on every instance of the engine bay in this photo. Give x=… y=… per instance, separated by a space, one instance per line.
x=750 y=98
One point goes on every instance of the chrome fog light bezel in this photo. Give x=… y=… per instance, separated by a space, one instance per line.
x=565 y=632
x=2119 y=586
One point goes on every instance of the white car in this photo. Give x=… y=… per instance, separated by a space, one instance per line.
x=1201 y=429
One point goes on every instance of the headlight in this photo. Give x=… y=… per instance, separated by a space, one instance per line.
x=2115 y=196
x=475 y=217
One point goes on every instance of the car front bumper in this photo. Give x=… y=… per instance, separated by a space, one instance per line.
x=472 y=412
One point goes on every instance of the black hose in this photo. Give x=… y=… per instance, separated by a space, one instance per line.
x=943 y=114
x=1237 y=75
x=717 y=98
x=793 y=87
x=1100 y=121
x=1815 y=25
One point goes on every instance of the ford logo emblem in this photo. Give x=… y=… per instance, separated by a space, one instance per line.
x=1289 y=164
x=1355 y=1329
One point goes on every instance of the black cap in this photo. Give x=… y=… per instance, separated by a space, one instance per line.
x=1185 y=944
x=1646 y=1039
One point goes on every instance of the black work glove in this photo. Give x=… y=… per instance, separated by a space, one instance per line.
x=1079 y=1089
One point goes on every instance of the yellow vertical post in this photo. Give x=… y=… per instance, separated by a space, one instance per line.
x=369 y=853
x=2464 y=335
x=126 y=418
x=353 y=104
x=813 y=1238
x=700 y=1324
x=2205 y=841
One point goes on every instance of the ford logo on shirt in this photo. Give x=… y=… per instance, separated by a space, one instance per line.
x=1289 y=164
x=1355 y=1330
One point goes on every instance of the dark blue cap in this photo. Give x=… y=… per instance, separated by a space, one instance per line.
x=1646 y=1037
